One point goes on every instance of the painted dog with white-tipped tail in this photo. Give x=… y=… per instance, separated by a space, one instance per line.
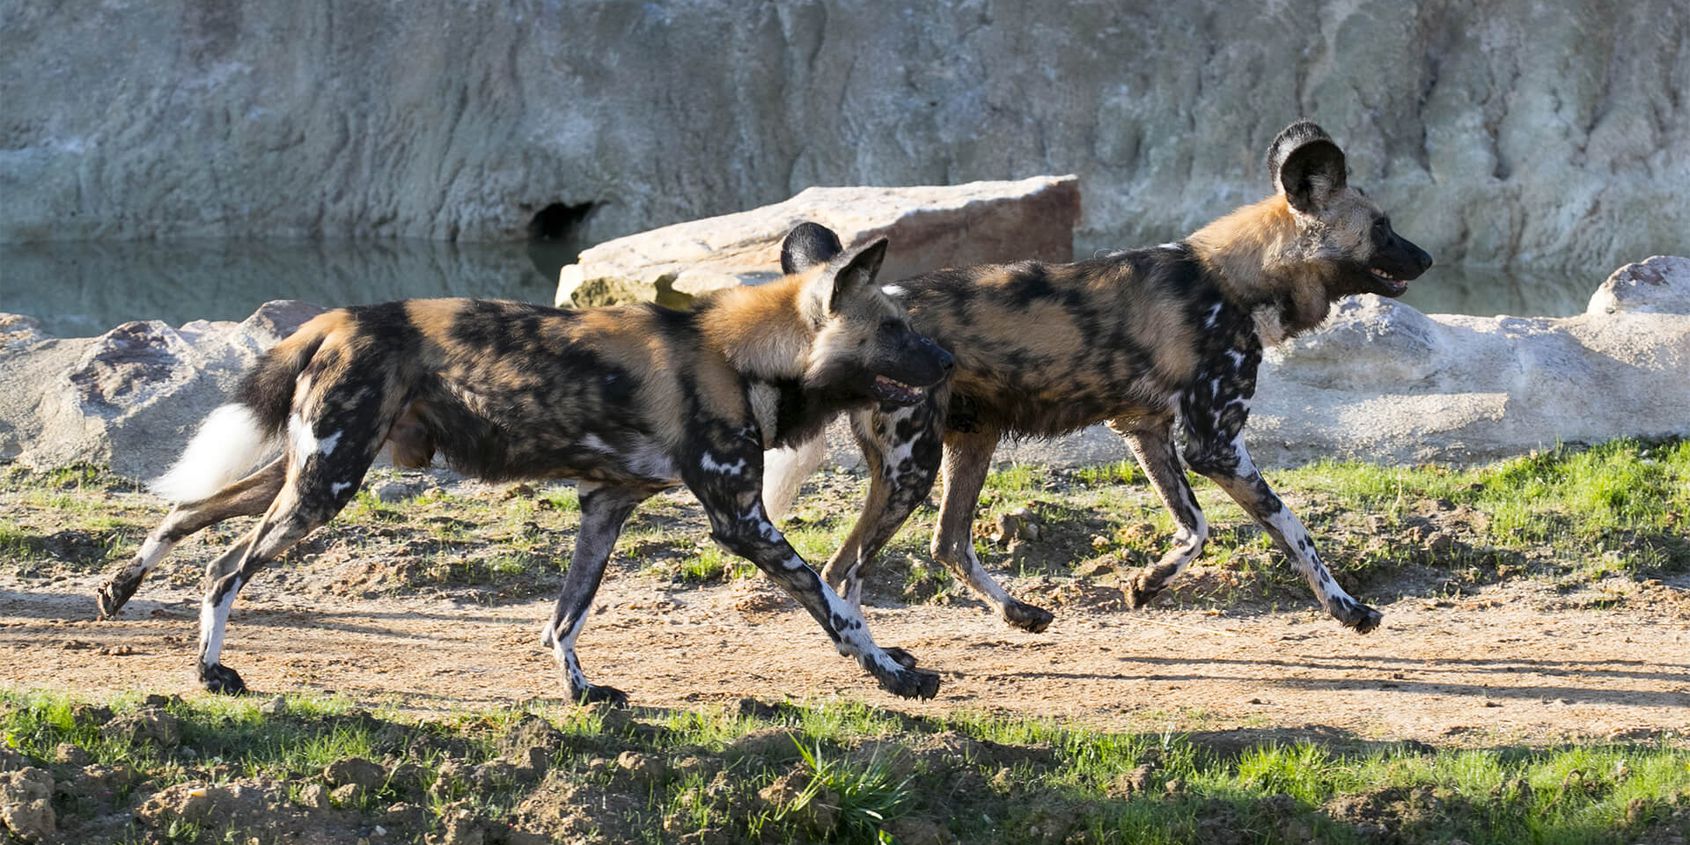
x=628 y=401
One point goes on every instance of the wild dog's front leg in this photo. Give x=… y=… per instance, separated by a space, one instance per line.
x=726 y=476
x=746 y=531
x=968 y=459
x=1229 y=465
x=603 y=510
x=1154 y=447
x=903 y=449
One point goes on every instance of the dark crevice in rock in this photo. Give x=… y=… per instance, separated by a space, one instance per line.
x=558 y=221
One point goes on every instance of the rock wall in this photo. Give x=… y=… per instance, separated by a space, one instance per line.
x=1495 y=132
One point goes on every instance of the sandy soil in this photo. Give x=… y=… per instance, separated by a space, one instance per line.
x=1514 y=663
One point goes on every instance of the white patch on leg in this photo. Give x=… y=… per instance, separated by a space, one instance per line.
x=708 y=463
x=301 y=439
x=982 y=582
x=338 y=487
x=327 y=444
x=153 y=551
x=214 y=618
x=1188 y=544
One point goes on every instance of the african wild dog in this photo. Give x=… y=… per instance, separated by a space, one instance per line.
x=628 y=400
x=1138 y=339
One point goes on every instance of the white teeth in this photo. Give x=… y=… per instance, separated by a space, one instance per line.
x=894 y=383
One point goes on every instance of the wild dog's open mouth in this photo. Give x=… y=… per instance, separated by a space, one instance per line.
x=892 y=390
x=1393 y=285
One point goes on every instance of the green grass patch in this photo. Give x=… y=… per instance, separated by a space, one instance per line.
x=866 y=773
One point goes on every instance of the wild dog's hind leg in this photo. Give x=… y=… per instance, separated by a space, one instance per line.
x=1153 y=445
x=333 y=437
x=250 y=496
x=288 y=519
x=903 y=449
x=603 y=510
x=968 y=459
x=1229 y=465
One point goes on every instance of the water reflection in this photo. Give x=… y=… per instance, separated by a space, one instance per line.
x=1488 y=292
x=79 y=289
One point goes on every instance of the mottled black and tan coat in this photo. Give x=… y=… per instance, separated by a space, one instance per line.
x=1143 y=340
x=628 y=401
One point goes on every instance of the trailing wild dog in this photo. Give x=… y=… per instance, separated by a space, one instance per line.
x=628 y=401
x=1139 y=339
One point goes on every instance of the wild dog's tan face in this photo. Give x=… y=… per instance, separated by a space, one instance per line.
x=1338 y=224
x=864 y=345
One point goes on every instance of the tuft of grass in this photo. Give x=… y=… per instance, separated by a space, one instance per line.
x=869 y=795
x=1103 y=475
x=1016 y=478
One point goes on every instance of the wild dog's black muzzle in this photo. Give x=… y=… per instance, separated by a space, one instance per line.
x=914 y=363
x=1395 y=263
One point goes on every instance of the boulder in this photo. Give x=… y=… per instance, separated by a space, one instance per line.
x=131 y=397
x=930 y=227
x=1655 y=285
x=1382 y=382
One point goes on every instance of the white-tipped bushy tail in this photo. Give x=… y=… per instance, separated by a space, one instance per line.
x=784 y=471
x=227 y=446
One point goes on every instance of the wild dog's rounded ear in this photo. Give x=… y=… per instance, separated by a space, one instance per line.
x=847 y=274
x=807 y=245
x=857 y=271
x=1307 y=165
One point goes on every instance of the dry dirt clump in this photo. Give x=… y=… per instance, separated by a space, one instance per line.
x=255 y=807
x=26 y=804
x=1398 y=815
x=152 y=725
x=567 y=809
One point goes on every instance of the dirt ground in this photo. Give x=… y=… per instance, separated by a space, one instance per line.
x=1514 y=663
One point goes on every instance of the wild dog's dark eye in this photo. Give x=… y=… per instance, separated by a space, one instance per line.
x=1381 y=223
x=890 y=325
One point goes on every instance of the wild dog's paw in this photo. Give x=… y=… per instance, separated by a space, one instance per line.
x=222 y=680
x=1027 y=617
x=904 y=658
x=911 y=683
x=115 y=594
x=596 y=694
x=1140 y=591
x=1356 y=615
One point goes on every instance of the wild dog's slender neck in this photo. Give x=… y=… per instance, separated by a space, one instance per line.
x=1253 y=254
x=762 y=330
